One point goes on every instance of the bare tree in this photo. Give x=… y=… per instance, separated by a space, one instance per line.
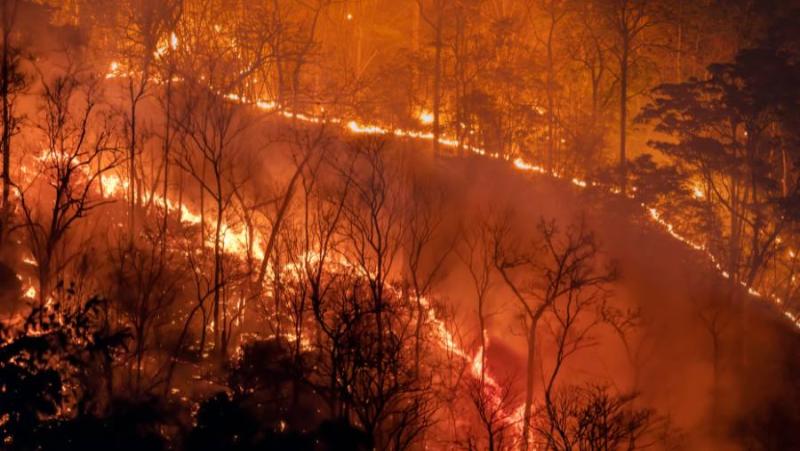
x=564 y=264
x=570 y=323
x=366 y=328
x=495 y=407
x=476 y=252
x=373 y=222
x=146 y=285
x=715 y=318
x=591 y=51
x=12 y=82
x=78 y=149
x=425 y=248
x=212 y=128
x=434 y=13
x=471 y=54
x=594 y=418
x=145 y=26
x=628 y=20
x=556 y=11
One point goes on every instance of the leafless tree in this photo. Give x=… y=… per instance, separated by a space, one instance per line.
x=716 y=319
x=556 y=13
x=371 y=367
x=435 y=13
x=570 y=323
x=495 y=408
x=212 y=126
x=145 y=26
x=425 y=248
x=563 y=265
x=373 y=223
x=12 y=83
x=629 y=20
x=146 y=284
x=476 y=252
x=594 y=418
x=78 y=149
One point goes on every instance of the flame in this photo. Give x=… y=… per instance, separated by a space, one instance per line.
x=235 y=239
x=113 y=70
x=698 y=192
x=579 y=182
x=492 y=389
x=425 y=117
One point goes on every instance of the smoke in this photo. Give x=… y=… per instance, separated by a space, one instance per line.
x=700 y=353
x=706 y=389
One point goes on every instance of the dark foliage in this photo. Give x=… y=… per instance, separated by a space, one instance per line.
x=50 y=361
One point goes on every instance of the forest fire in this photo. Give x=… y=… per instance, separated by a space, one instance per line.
x=399 y=225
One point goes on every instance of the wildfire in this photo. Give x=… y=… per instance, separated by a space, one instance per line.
x=492 y=389
x=236 y=241
x=425 y=117
x=523 y=165
x=173 y=41
x=113 y=70
x=698 y=192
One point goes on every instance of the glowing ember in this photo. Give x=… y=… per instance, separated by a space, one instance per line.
x=425 y=117
x=698 y=192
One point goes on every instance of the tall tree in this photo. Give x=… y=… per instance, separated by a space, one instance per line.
x=555 y=12
x=628 y=20
x=145 y=26
x=434 y=13
x=557 y=265
x=79 y=148
x=729 y=130
x=12 y=82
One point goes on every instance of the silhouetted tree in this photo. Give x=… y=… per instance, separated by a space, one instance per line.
x=561 y=267
x=12 y=82
x=594 y=418
x=727 y=131
x=79 y=148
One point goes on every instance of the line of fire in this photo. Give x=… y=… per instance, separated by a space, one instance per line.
x=354 y=225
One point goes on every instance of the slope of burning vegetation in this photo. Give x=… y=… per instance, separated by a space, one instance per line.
x=223 y=229
x=718 y=341
x=381 y=236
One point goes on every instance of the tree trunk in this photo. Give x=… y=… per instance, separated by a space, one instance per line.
x=482 y=326
x=217 y=277
x=551 y=115
x=132 y=187
x=437 y=82
x=415 y=27
x=6 y=138
x=715 y=388
x=623 y=119
x=418 y=334
x=167 y=144
x=784 y=172
x=529 y=383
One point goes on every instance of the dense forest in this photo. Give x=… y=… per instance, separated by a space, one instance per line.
x=399 y=224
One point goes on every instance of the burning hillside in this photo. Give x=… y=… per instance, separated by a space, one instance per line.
x=397 y=225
